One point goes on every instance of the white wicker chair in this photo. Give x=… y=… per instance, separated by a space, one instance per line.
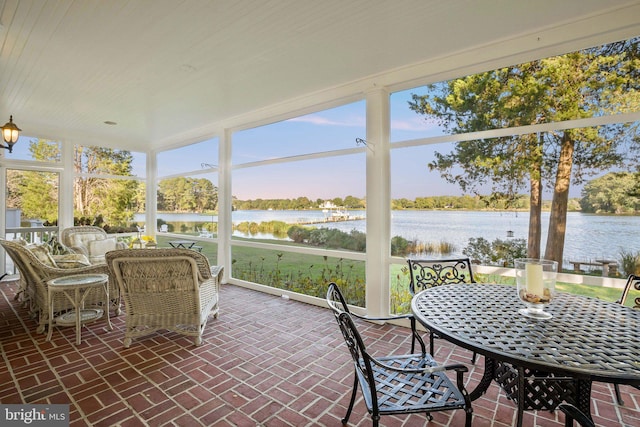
x=34 y=275
x=91 y=241
x=166 y=288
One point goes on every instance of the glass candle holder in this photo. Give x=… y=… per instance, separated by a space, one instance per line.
x=536 y=282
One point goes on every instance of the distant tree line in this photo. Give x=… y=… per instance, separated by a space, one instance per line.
x=465 y=202
x=114 y=201
x=300 y=203
x=612 y=193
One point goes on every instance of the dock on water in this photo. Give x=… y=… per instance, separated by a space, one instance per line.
x=330 y=218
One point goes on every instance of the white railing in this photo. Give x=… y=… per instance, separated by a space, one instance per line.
x=31 y=235
x=610 y=282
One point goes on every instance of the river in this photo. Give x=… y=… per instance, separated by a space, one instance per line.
x=588 y=236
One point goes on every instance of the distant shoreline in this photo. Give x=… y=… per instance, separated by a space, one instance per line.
x=215 y=213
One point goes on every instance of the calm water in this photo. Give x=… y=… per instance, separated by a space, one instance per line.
x=587 y=237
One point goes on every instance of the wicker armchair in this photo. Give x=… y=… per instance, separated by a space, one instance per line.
x=165 y=288
x=34 y=274
x=91 y=241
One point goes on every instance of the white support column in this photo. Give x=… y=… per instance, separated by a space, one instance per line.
x=225 y=201
x=65 y=193
x=151 y=198
x=378 y=202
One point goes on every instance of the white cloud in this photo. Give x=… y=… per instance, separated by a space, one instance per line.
x=416 y=124
x=324 y=121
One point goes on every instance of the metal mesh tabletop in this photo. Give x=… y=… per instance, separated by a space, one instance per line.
x=585 y=338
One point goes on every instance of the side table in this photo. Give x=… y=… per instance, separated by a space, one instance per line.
x=185 y=244
x=76 y=288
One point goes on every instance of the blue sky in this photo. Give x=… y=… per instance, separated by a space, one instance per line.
x=333 y=129
x=327 y=130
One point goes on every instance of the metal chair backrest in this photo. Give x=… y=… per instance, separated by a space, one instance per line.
x=428 y=273
x=633 y=284
x=398 y=383
x=361 y=359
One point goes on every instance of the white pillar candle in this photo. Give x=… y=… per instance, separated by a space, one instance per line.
x=535 y=285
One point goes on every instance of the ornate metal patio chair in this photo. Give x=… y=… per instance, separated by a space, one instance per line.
x=166 y=288
x=398 y=384
x=631 y=290
x=428 y=273
x=573 y=413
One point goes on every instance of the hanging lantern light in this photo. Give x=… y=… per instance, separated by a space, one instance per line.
x=10 y=134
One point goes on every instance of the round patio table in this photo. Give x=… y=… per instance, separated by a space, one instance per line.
x=539 y=363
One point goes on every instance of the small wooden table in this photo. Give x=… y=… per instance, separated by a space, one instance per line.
x=76 y=288
x=608 y=265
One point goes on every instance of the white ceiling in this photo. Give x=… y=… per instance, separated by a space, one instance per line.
x=168 y=71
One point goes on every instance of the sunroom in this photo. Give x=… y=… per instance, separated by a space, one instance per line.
x=273 y=101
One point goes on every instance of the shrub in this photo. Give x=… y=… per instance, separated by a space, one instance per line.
x=630 y=262
x=399 y=246
x=357 y=241
x=421 y=248
x=499 y=252
x=277 y=228
x=298 y=234
x=318 y=237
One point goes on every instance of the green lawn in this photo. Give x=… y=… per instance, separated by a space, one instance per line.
x=309 y=273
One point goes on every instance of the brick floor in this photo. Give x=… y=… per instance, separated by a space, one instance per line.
x=265 y=361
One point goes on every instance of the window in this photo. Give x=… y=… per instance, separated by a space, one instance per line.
x=298 y=199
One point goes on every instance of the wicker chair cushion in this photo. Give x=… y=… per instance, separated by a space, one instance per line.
x=42 y=253
x=83 y=239
x=97 y=248
x=71 y=261
x=57 y=248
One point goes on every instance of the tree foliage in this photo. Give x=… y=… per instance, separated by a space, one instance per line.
x=183 y=194
x=578 y=85
x=611 y=193
x=35 y=193
x=108 y=197
x=499 y=252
